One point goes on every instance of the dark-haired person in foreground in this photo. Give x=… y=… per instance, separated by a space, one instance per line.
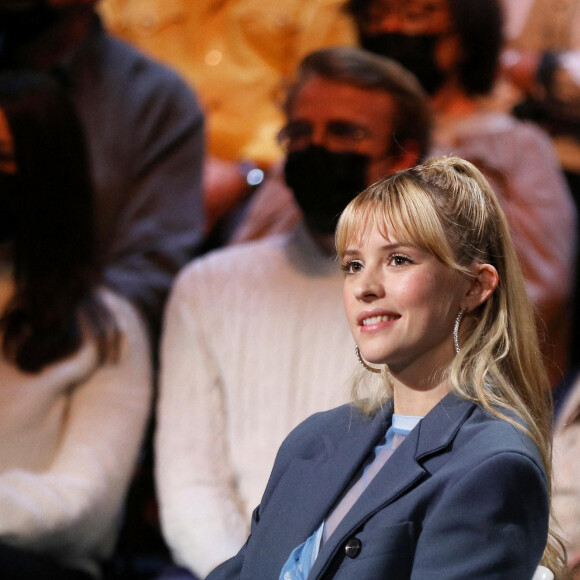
x=75 y=370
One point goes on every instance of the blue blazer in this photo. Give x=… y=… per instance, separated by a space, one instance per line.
x=463 y=497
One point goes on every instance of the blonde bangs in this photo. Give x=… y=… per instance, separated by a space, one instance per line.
x=397 y=208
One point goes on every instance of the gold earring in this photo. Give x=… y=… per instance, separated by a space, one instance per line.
x=364 y=363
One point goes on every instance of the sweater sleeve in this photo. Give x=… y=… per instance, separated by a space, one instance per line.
x=201 y=510
x=70 y=509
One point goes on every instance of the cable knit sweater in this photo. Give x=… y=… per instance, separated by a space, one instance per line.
x=255 y=341
x=69 y=438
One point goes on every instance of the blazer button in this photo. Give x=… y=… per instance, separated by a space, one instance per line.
x=353 y=547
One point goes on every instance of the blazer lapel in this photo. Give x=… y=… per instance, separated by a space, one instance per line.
x=345 y=458
x=402 y=471
x=311 y=485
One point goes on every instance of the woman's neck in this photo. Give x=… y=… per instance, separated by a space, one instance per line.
x=418 y=401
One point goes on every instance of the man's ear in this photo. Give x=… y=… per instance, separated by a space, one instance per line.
x=409 y=156
x=483 y=284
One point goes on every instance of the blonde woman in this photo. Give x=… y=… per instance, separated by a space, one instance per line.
x=441 y=467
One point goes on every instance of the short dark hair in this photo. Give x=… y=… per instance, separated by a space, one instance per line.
x=363 y=69
x=54 y=260
x=479 y=24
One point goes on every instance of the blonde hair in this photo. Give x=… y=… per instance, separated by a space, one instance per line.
x=447 y=208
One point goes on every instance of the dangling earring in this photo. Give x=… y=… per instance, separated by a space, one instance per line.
x=364 y=363
x=456 y=330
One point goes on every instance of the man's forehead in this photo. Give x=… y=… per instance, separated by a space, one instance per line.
x=327 y=96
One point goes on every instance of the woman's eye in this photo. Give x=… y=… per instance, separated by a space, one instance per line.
x=399 y=260
x=351 y=267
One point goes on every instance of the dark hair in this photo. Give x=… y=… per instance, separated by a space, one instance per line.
x=53 y=250
x=363 y=69
x=479 y=24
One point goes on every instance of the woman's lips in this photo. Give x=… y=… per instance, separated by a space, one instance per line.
x=376 y=319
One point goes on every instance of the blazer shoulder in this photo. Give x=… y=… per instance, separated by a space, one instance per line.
x=485 y=434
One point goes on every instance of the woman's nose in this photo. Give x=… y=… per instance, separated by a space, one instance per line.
x=369 y=288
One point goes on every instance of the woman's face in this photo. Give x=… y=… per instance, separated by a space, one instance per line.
x=401 y=303
x=7 y=162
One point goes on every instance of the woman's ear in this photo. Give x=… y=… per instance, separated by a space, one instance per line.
x=483 y=284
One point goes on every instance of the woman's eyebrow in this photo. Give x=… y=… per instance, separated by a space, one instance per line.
x=351 y=252
x=386 y=247
x=395 y=246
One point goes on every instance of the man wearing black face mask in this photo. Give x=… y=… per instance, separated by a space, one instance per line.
x=408 y=32
x=255 y=336
x=440 y=41
x=345 y=129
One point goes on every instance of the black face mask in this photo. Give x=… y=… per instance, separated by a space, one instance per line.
x=415 y=53
x=324 y=183
x=8 y=195
x=18 y=27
